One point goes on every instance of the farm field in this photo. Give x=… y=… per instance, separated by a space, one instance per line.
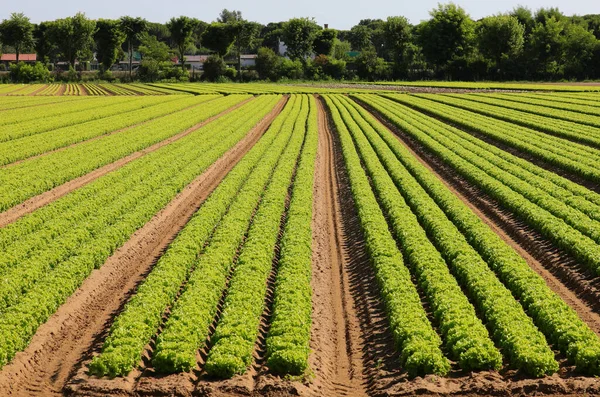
x=272 y=240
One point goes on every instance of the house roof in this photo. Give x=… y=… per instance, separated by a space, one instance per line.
x=248 y=56
x=196 y=58
x=22 y=57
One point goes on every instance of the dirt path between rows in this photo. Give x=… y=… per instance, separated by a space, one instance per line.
x=60 y=345
x=336 y=339
x=45 y=198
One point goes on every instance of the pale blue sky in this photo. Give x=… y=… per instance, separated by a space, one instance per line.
x=338 y=14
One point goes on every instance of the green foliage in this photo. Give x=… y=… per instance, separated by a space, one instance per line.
x=191 y=316
x=182 y=30
x=293 y=70
x=370 y=67
x=156 y=63
x=17 y=32
x=449 y=34
x=324 y=41
x=73 y=37
x=299 y=35
x=500 y=38
x=219 y=38
x=214 y=67
x=108 y=38
x=267 y=64
x=26 y=73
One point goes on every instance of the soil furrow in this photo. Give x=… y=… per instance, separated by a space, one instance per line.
x=62 y=346
x=45 y=198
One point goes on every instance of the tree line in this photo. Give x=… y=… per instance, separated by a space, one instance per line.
x=517 y=45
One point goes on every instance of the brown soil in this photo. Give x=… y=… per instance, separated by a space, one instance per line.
x=336 y=339
x=82 y=90
x=61 y=346
x=61 y=90
x=404 y=88
x=45 y=198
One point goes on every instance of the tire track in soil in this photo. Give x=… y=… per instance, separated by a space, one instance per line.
x=569 y=280
x=61 y=346
x=32 y=204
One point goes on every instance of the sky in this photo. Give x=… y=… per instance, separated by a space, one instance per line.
x=339 y=14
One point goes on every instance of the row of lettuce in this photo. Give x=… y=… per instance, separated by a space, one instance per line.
x=50 y=252
x=519 y=310
x=225 y=257
x=23 y=180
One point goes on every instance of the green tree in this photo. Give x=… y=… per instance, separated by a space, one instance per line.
x=182 y=30
x=74 y=37
x=267 y=64
x=359 y=37
x=340 y=50
x=134 y=29
x=243 y=32
x=271 y=35
x=299 y=35
x=108 y=38
x=371 y=67
x=500 y=37
x=44 y=45
x=525 y=18
x=17 y=32
x=449 y=34
x=397 y=34
x=156 y=58
x=580 y=46
x=218 y=38
x=227 y=16
x=546 y=47
x=214 y=68
x=324 y=41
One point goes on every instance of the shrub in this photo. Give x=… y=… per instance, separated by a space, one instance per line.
x=25 y=73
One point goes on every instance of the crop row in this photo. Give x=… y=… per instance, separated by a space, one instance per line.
x=172 y=168
x=188 y=326
x=288 y=340
x=464 y=335
x=51 y=112
x=554 y=317
x=37 y=175
x=417 y=342
x=18 y=149
x=545 y=107
x=72 y=89
x=560 y=128
x=11 y=103
x=523 y=345
x=570 y=156
x=133 y=329
x=233 y=341
x=557 y=145
x=554 y=227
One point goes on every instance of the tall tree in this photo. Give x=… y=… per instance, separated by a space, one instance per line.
x=447 y=35
x=359 y=37
x=397 y=36
x=44 y=45
x=227 y=16
x=299 y=35
x=324 y=41
x=243 y=32
x=17 y=32
x=218 y=38
x=134 y=28
x=500 y=37
x=108 y=38
x=74 y=37
x=182 y=30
